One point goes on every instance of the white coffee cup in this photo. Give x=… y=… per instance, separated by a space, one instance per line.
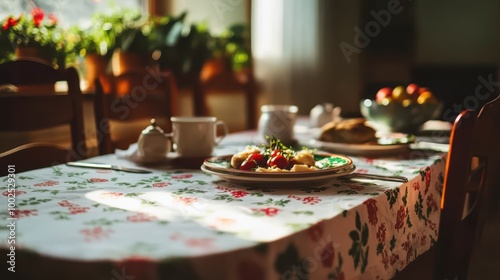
x=196 y=136
x=277 y=121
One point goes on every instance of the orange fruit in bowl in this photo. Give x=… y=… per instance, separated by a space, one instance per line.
x=399 y=93
x=426 y=97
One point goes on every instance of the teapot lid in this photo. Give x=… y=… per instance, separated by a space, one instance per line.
x=153 y=129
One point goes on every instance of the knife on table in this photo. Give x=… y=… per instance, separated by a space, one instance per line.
x=107 y=166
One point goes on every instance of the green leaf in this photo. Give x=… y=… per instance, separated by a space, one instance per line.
x=365 y=260
x=393 y=243
x=364 y=235
x=358 y=221
x=354 y=235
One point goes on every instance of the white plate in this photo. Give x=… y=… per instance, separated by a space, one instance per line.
x=338 y=166
x=359 y=149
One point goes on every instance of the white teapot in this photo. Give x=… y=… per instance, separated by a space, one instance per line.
x=153 y=142
x=323 y=113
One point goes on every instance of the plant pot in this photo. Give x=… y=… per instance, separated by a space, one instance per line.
x=33 y=53
x=123 y=62
x=214 y=67
x=95 y=66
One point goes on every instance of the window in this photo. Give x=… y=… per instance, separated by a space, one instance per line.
x=69 y=12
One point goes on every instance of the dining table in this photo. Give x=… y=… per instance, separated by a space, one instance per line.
x=180 y=222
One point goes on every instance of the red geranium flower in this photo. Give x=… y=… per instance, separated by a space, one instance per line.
x=10 y=22
x=53 y=19
x=38 y=15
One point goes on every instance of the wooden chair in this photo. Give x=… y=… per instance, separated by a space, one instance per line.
x=35 y=106
x=471 y=179
x=132 y=99
x=224 y=82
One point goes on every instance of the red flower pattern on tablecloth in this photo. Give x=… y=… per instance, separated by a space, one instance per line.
x=432 y=225
x=423 y=240
x=362 y=171
x=269 y=211
x=95 y=233
x=14 y=192
x=356 y=187
x=385 y=259
x=249 y=270
x=141 y=217
x=407 y=247
x=65 y=203
x=49 y=183
x=186 y=200
x=182 y=176
x=316 y=231
x=110 y=194
x=239 y=194
x=416 y=186
x=204 y=243
x=78 y=210
x=160 y=184
x=98 y=180
x=393 y=259
x=381 y=233
x=371 y=205
x=327 y=255
x=341 y=276
x=73 y=208
x=23 y=213
x=311 y=200
x=431 y=203
x=224 y=189
x=400 y=218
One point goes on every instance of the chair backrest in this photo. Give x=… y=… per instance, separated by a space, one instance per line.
x=470 y=191
x=36 y=106
x=132 y=99
x=471 y=177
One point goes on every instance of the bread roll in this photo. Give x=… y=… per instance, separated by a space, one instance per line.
x=352 y=131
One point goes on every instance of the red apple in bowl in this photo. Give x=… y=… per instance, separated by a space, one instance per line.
x=422 y=90
x=383 y=93
x=412 y=90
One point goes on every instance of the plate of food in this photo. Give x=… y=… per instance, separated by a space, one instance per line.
x=275 y=165
x=357 y=137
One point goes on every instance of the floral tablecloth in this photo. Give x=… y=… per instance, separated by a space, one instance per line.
x=77 y=223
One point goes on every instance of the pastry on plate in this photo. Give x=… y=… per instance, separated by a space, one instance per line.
x=350 y=131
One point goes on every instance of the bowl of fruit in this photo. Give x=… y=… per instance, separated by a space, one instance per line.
x=401 y=109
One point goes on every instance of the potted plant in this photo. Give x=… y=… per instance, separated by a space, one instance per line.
x=230 y=51
x=133 y=49
x=96 y=42
x=36 y=36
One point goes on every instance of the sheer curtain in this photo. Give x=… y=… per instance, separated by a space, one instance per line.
x=295 y=45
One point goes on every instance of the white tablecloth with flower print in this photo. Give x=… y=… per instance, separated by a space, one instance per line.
x=76 y=223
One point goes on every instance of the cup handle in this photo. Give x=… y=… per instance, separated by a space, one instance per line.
x=170 y=137
x=224 y=133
